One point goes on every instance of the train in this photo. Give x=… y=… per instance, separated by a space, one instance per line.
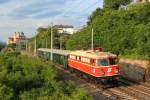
x=96 y=63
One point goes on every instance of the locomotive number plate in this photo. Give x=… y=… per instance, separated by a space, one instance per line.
x=109 y=70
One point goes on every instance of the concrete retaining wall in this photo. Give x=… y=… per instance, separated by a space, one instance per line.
x=136 y=70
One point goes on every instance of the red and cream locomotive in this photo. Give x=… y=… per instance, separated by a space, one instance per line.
x=98 y=64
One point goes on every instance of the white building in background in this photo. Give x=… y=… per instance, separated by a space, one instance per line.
x=134 y=2
x=140 y=1
x=66 y=29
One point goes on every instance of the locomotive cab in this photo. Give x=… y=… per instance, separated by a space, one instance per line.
x=109 y=66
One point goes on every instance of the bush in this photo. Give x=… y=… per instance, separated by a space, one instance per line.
x=24 y=78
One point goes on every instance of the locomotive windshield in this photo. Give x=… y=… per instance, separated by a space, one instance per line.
x=107 y=62
x=103 y=62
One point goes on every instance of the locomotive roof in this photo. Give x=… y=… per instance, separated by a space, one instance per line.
x=93 y=54
x=56 y=51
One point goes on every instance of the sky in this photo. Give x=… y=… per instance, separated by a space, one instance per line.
x=27 y=15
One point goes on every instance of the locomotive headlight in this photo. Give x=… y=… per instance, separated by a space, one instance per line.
x=102 y=72
x=117 y=71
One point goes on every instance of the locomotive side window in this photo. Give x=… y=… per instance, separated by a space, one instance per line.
x=86 y=60
x=82 y=59
x=78 y=58
x=72 y=57
x=92 y=62
x=103 y=62
x=113 y=61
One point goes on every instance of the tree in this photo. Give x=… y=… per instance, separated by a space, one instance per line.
x=97 y=12
x=115 y=4
x=119 y=31
x=6 y=93
x=141 y=11
x=2 y=45
x=44 y=38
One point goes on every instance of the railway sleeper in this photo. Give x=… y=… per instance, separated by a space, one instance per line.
x=135 y=93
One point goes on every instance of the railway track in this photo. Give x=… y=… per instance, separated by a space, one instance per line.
x=127 y=90
x=137 y=90
x=146 y=84
x=110 y=93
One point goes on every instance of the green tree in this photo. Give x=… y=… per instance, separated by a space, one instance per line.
x=97 y=12
x=44 y=38
x=2 y=45
x=119 y=31
x=115 y=4
x=6 y=93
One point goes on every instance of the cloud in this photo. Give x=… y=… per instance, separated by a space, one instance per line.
x=4 y=1
x=40 y=7
x=27 y=15
x=47 y=14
